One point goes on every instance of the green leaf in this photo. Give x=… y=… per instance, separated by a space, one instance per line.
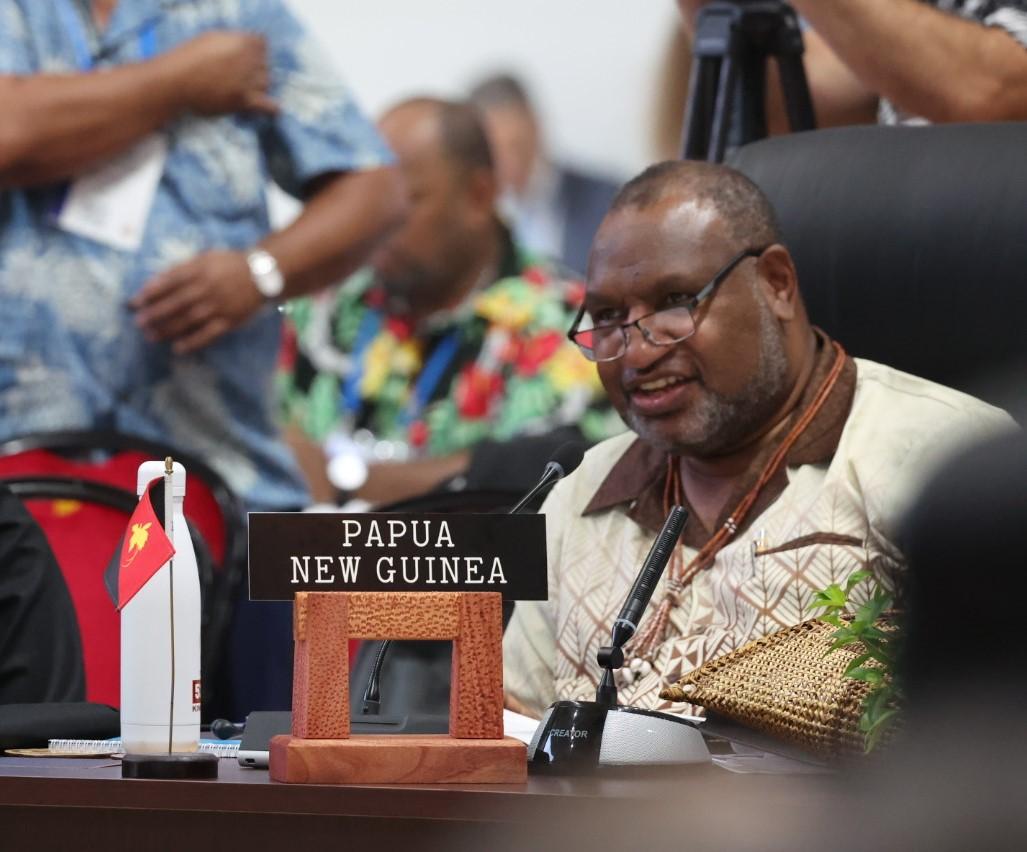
x=855 y=664
x=870 y=611
x=867 y=675
x=877 y=701
x=833 y=596
x=855 y=579
x=879 y=652
x=844 y=634
x=879 y=728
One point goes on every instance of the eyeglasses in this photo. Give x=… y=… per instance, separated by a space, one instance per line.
x=664 y=327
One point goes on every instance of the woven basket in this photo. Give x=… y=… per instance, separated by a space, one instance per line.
x=785 y=686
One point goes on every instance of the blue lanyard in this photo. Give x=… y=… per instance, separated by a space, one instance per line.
x=74 y=25
x=431 y=374
x=427 y=382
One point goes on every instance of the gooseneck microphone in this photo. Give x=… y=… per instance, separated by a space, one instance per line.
x=580 y=737
x=652 y=569
x=612 y=657
x=564 y=460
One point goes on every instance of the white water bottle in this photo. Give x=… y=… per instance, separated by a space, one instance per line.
x=146 y=629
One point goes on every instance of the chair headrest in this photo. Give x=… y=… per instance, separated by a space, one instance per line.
x=911 y=242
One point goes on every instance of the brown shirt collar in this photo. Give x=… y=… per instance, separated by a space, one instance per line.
x=638 y=477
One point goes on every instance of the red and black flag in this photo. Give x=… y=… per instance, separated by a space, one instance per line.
x=143 y=550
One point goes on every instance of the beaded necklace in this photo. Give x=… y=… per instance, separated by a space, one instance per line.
x=643 y=645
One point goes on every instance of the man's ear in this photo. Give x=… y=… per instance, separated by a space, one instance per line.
x=780 y=281
x=481 y=188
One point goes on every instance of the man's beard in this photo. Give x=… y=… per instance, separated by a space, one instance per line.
x=717 y=423
x=404 y=290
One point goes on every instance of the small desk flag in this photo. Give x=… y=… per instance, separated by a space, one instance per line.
x=143 y=550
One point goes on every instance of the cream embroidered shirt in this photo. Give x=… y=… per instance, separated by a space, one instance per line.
x=833 y=510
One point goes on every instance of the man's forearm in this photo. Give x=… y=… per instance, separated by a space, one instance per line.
x=55 y=126
x=345 y=217
x=388 y=482
x=928 y=62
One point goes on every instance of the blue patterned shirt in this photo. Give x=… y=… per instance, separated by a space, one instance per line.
x=71 y=356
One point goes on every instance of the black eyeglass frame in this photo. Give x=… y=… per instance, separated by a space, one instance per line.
x=690 y=306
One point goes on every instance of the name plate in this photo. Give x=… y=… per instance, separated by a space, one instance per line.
x=293 y=552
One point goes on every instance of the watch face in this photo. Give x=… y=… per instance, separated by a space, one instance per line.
x=264 y=271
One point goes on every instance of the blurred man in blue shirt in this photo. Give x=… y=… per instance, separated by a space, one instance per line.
x=138 y=274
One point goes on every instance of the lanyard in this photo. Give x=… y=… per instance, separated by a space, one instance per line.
x=427 y=382
x=74 y=25
x=431 y=374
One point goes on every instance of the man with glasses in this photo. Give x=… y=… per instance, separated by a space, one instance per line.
x=794 y=460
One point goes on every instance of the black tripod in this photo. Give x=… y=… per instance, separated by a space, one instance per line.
x=727 y=90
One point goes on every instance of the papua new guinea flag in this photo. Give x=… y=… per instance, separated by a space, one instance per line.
x=143 y=550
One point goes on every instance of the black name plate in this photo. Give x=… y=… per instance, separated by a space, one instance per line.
x=328 y=552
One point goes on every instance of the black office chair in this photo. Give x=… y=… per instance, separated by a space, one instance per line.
x=910 y=245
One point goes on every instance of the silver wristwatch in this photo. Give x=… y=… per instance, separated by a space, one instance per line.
x=266 y=275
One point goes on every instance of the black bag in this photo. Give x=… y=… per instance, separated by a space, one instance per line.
x=33 y=725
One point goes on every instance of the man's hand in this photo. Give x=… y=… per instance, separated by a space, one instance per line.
x=222 y=72
x=194 y=303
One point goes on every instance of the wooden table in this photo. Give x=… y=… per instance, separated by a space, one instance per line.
x=56 y=803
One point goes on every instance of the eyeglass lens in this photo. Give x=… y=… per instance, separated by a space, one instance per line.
x=664 y=327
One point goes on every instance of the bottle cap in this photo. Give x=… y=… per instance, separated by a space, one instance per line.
x=148 y=471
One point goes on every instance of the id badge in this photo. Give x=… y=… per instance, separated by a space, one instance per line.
x=111 y=203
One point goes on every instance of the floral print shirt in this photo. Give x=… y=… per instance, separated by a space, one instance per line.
x=498 y=366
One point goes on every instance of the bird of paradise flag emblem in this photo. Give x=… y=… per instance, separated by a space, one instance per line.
x=144 y=548
x=138 y=537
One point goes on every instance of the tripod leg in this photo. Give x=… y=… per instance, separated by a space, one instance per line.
x=722 y=110
x=714 y=43
x=702 y=92
x=798 y=101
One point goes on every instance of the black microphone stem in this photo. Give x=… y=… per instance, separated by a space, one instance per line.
x=612 y=657
x=549 y=478
x=372 y=703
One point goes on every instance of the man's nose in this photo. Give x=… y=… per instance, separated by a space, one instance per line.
x=639 y=353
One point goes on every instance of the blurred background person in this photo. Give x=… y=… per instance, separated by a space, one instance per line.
x=141 y=298
x=553 y=208
x=446 y=356
x=907 y=61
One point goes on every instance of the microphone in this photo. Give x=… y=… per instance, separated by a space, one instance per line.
x=564 y=461
x=578 y=736
x=652 y=569
x=612 y=657
x=225 y=730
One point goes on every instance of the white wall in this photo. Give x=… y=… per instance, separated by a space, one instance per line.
x=591 y=64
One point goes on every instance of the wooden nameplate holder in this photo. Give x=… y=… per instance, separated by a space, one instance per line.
x=321 y=750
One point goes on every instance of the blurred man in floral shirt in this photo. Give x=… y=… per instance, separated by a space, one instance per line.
x=450 y=341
